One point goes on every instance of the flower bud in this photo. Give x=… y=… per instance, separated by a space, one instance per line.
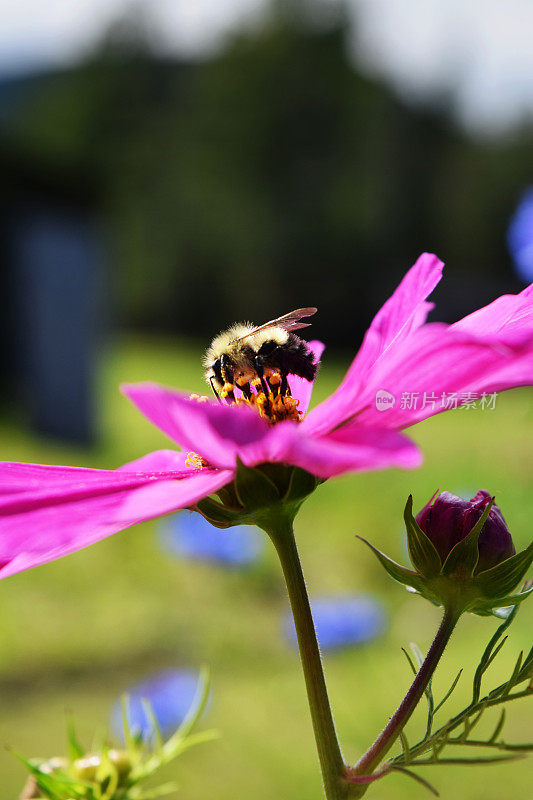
x=91 y=767
x=448 y=519
x=86 y=767
x=122 y=762
x=463 y=555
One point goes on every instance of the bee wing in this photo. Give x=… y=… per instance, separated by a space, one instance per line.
x=289 y=322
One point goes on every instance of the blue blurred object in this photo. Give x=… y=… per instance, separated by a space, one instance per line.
x=188 y=535
x=57 y=255
x=520 y=236
x=171 y=694
x=342 y=621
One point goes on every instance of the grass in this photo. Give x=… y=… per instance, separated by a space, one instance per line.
x=77 y=632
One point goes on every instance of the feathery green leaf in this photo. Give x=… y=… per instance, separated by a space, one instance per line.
x=418 y=779
x=449 y=692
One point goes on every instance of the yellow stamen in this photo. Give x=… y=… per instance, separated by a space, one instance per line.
x=275 y=408
x=195 y=461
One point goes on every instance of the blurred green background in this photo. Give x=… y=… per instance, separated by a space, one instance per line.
x=77 y=632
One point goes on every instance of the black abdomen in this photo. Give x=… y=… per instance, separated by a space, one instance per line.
x=292 y=358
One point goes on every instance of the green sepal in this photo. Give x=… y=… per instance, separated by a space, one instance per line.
x=503 y=606
x=464 y=556
x=515 y=599
x=500 y=607
x=149 y=713
x=395 y=570
x=426 y=594
x=197 y=709
x=502 y=579
x=497 y=606
x=226 y=495
x=279 y=474
x=301 y=485
x=254 y=490
x=422 y=551
x=217 y=514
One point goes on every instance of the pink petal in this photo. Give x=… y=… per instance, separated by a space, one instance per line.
x=300 y=388
x=159 y=461
x=402 y=314
x=405 y=311
x=343 y=451
x=214 y=430
x=510 y=314
x=19 y=477
x=64 y=508
x=22 y=477
x=438 y=362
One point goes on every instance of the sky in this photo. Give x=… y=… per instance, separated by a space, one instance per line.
x=478 y=50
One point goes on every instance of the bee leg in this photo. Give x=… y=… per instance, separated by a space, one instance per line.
x=284 y=388
x=214 y=390
x=274 y=381
x=228 y=393
x=245 y=389
x=260 y=374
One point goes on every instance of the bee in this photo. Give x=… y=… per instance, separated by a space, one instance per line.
x=268 y=353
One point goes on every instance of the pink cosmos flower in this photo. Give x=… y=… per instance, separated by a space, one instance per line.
x=48 y=511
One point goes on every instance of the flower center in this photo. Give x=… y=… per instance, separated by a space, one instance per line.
x=270 y=397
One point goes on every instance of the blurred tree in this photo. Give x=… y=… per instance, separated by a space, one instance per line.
x=273 y=175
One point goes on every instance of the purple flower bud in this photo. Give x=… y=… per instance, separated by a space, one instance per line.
x=447 y=519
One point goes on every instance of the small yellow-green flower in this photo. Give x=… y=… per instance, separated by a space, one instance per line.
x=116 y=774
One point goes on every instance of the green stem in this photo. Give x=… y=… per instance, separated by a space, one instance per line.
x=375 y=754
x=331 y=761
